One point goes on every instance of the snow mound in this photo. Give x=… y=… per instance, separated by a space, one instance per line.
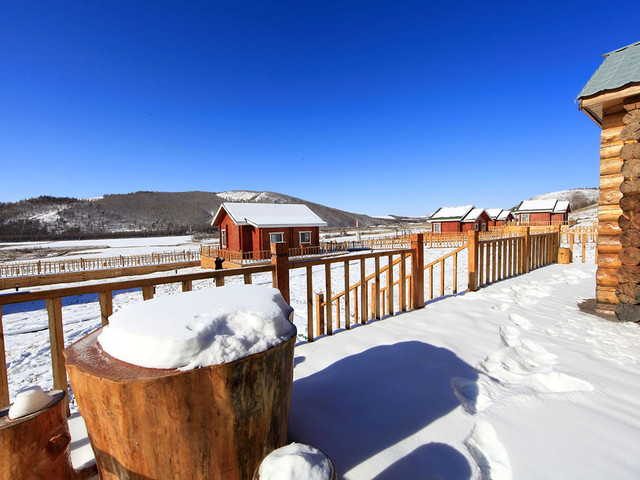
x=200 y=328
x=489 y=454
x=296 y=461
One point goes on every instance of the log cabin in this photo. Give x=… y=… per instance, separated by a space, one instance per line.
x=542 y=212
x=252 y=227
x=611 y=98
x=459 y=219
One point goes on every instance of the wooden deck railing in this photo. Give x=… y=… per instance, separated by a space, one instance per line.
x=209 y=253
x=374 y=294
x=71 y=264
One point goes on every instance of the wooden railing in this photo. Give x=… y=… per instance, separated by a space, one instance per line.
x=374 y=294
x=209 y=253
x=51 y=267
x=581 y=236
x=53 y=298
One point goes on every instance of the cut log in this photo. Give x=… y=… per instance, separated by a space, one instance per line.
x=628 y=274
x=215 y=422
x=628 y=312
x=629 y=186
x=613 y=117
x=632 y=117
x=630 y=132
x=611 y=181
x=611 y=166
x=630 y=202
x=629 y=238
x=630 y=255
x=564 y=256
x=631 y=103
x=606 y=277
x=628 y=151
x=608 y=227
x=609 y=260
x=609 y=213
x=630 y=292
x=606 y=295
x=631 y=168
x=610 y=151
x=36 y=446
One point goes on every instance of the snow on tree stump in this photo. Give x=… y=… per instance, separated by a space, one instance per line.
x=36 y=446
x=214 y=422
x=296 y=461
x=564 y=256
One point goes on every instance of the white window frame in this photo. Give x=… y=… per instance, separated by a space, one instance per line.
x=271 y=235
x=484 y=227
x=475 y=227
x=223 y=238
x=524 y=217
x=436 y=227
x=305 y=242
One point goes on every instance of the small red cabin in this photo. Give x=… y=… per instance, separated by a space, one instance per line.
x=252 y=227
x=542 y=212
x=499 y=217
x=459 y=219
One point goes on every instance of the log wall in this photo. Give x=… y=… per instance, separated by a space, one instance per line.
x=608 y=245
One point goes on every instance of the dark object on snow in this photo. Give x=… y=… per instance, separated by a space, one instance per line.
x=219 y=262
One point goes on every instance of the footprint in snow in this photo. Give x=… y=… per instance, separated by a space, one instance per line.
x=488 y=452
x=520 y=321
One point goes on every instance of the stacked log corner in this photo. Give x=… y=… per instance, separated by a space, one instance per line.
x=608 y=245
x=628 y=275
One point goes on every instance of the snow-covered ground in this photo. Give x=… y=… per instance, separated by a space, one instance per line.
x=512 y=381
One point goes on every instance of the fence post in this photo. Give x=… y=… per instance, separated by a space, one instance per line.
x=319 y=314
x=4 y=381
x=526 y=254
x=280 y=260
x=56 y=343
x=417 y=269
x=472 y=247
x=106 y=306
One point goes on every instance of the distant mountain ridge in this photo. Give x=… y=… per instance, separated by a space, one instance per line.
x=142 y=212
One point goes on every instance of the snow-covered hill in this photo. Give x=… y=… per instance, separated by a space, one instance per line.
x=578 y=197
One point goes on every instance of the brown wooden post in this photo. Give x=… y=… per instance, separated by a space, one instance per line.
x=248 y=280
x=417 y=270
x=364 y=311
x=390 y=300
x=220 y=281
x=329 y=312
x=280 y=260
x=455 y=274
x=527 y=250
x=472 y=242
x=347 y=299
x=355 y=305
x=584 y=247
x=187 y=285
x=106 y=306
x=309 y=271
x=147 y=292
x=402 y=273
x=319 y=314
x=56 y=343
x=376 y=290
x=4 y=380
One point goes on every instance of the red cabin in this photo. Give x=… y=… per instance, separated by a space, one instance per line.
x=252 y=227
x=459 y=219
x=499 y=217
x=542 y=212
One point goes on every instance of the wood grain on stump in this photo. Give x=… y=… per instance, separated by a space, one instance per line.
x=215 y=422
x=36 y=446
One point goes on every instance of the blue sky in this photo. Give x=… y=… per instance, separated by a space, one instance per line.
x=372 y=107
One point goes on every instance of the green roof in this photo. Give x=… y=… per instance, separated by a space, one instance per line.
x=619 y=68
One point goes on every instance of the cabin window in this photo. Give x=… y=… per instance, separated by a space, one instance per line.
x=484 y=227
x=305 y=237
x=475 y=226
x=524 y=217
x=437 y=228
x=223 y=238
x=276 y=237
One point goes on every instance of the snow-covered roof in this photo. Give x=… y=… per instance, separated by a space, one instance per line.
x=473 y=215
x=494 y=213
x=561 y=206
x=270 y=215
x=452 y=213
x=504 y=214
x=546 y=205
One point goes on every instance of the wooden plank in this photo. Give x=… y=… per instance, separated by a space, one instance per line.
x=309 y=273
x=347 y=298
x=319 y=314
x=390 y=300
x=56 y=343
x=327 y=285
x=455 y=274
x=473 y=261
x=417 y=270
x=4 y=379
x=363 y=293
x=280 y=262
x=187 y=285
x=248 y=279
x=401 y=286
x=376 y=303
x=106 y=306
x=494 y=266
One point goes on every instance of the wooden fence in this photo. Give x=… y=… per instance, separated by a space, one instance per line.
x=373 y=295
x=208 y=254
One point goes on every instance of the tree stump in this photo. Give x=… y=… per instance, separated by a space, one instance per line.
x=215 y=422
x=36 y=446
